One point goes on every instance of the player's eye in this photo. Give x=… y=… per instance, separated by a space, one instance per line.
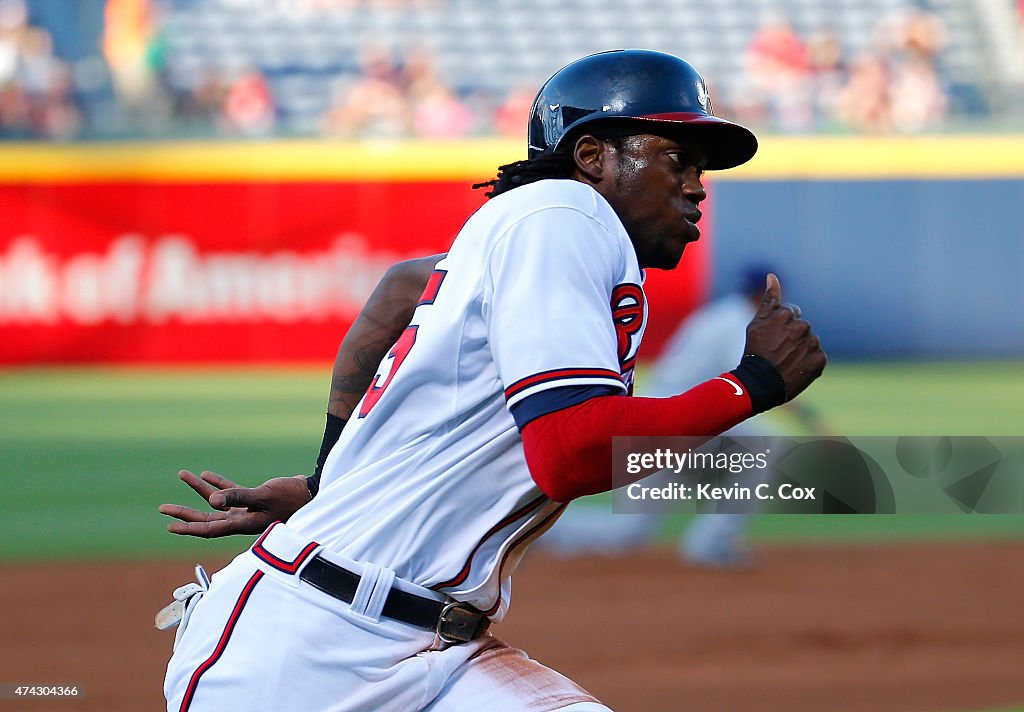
x=683 y=161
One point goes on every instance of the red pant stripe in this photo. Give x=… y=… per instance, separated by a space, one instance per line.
x=222 y=643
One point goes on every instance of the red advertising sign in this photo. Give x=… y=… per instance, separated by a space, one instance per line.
x=194 y=272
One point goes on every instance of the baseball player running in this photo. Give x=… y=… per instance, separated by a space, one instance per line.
x=494 y=407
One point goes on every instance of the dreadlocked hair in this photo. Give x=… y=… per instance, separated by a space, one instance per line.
x=512 y=175
x=559 y=164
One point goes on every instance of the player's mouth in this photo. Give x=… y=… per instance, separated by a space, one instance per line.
x=692 y=218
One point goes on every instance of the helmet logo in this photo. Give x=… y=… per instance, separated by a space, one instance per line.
x=553 y=125
x=702 y=97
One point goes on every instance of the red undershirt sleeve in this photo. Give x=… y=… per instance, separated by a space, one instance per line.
x=569 y=452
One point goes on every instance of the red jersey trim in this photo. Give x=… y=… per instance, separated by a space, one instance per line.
x=466 y=567
x=559 y=374
x=542 y=526
x=288 y=567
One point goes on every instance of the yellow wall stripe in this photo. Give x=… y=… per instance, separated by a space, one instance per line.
x=867 y=158
x=836 y=158
x=271 y=161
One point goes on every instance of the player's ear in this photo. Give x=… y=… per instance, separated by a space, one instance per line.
x=591 y=156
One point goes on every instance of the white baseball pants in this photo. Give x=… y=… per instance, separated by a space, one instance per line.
x=262 y=639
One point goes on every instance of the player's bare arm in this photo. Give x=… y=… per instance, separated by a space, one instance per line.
x=386 y=314
x=244 y=510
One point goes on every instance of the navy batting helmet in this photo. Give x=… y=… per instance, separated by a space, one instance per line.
x=659 y=92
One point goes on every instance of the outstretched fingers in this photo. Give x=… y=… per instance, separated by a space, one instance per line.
x=218 y=481
x=205 y=530
x=203 y=489
x=187 y=514
x=195 y=523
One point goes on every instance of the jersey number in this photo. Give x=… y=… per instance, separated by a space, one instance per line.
x=397 y=353
x=401 y=348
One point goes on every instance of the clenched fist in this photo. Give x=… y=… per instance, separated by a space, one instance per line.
x=778 y=335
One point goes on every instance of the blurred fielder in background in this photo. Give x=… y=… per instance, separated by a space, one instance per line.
x=705 y=343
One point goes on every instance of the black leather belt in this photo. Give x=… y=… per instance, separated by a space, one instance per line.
x=453 y=621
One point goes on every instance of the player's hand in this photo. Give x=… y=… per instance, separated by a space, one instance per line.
x=779 y=335
x=239 y=510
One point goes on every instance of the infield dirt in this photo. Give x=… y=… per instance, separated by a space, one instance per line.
x=899 y=627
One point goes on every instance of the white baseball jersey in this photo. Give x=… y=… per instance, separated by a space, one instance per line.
x=540 y=290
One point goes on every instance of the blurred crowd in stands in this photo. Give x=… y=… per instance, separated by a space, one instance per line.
x=36 y=90
x=393 y=95
x=406 y=95
x=792 y=83
x=798 y=84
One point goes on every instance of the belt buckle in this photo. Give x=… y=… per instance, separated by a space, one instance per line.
x=459 y=622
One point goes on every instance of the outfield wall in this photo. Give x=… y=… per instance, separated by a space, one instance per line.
x=264 y=252
x=894 y=247
x=196 y=253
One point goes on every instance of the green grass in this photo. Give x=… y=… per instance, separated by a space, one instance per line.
x=930 y=398
x=88 y=454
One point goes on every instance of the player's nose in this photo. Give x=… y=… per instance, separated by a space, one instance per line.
x=693 y=187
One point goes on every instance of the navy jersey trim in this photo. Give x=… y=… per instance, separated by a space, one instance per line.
x=554 y=399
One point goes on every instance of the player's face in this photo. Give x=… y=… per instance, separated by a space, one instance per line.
x=656 y=190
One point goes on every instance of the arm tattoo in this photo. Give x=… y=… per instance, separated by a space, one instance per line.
x=348 y=388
